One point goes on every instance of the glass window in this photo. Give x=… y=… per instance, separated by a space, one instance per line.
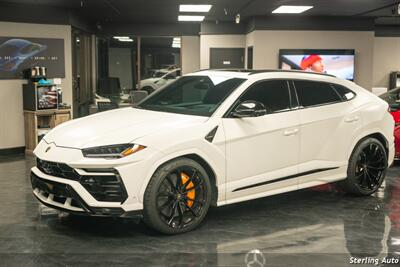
x=193 y=95
x=160 y=62
x=274 y=94
x=312 y=93
x=345 y=93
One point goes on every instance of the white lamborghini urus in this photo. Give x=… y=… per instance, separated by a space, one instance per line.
x=216 y=138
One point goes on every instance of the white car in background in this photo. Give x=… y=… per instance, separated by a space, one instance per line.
x=161 y=78
x=216 y=138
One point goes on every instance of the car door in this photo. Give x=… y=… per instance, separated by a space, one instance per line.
x=262 y=152
x=329 y=124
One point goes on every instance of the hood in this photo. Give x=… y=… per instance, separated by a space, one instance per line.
x=150 y=80
x=117 y=127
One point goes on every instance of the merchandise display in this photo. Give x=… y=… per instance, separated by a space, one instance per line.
x=193 y=144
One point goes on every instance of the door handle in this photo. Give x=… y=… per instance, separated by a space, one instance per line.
x=290 y=132
x=351 y=119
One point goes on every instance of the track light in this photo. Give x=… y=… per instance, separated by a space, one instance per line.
x=237 y=19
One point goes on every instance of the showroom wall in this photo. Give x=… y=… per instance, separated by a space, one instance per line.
x=386 y=59
x=190 y=47
x=267 y=44
x=11 y=110
x=215 y=41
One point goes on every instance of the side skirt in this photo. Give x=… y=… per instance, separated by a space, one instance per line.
x=284 y=178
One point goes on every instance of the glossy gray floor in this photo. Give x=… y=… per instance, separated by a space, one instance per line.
x=315 y=227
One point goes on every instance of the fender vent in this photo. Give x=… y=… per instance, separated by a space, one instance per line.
x=210 y=136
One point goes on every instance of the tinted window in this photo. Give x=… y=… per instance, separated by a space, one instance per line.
x=345 y=93
x=194 y=95
x=315 y=93
x=274 y=94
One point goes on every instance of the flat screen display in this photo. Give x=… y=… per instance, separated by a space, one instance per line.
x=18 y=54
x=46 y=97
x=336 y=62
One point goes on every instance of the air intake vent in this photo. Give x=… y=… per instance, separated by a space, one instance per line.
x=210 y=136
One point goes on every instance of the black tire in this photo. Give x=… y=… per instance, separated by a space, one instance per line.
x=168 y=187
x=367 y=168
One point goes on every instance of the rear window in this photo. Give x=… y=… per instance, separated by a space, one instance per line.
x=312 y=93
x=345 y=93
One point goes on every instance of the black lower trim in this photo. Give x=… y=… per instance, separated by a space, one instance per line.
x=67 y=190
x=12 y=151
x=284 y=178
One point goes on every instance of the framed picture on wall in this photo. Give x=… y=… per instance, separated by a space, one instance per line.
x=20 y=53
x=338 y=62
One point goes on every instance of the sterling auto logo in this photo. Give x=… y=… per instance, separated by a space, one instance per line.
x=255 y=258
x=47 y=149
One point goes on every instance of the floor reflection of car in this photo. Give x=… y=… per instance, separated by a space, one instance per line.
x=160 y=78
x=15 y=51
x=393 y=99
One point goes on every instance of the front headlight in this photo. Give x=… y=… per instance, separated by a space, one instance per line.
x=112 y=151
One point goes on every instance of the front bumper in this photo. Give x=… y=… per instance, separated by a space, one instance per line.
x=63 y=197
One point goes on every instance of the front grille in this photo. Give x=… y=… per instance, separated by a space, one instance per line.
x=60 y=193
x=108 y=188
x=56 y=169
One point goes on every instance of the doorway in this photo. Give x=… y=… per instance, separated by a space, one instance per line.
x=250 y=57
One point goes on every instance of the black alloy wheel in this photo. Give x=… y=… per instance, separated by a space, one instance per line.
x=367 y=168
x=370 y=168
x=181 y=197
x=177 y=197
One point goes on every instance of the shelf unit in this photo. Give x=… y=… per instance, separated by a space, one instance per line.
x=35 y=121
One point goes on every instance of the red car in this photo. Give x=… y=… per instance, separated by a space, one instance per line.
x=393 y=98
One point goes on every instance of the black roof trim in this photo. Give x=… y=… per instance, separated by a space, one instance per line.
x=292 y=71
x=251 y=72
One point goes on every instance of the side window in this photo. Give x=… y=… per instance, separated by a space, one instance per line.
x=312 y=93
x=345 y=93
x=274 y=94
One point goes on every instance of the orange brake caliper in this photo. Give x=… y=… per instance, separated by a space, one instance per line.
x=192 y=193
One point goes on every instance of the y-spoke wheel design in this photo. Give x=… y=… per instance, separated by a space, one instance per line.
x=181 y=196
x=178 y=197
x=371 y=164
x=367 y=168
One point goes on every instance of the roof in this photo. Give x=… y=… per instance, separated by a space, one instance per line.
x=247 y=72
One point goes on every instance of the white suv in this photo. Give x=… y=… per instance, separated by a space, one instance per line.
x=216 y=138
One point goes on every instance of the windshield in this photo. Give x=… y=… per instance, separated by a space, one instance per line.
x=392 y=96
x=192 y=95
x=159 y=74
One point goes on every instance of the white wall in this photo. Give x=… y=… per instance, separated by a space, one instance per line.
x=386 y=59
x=11 y=110
x=218 y=41
x=268 y=43
x=190 y=54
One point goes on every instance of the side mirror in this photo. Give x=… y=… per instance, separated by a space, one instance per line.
x=394 y=106
x=249 y=108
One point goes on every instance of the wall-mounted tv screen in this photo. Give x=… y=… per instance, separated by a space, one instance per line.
x=336 y=62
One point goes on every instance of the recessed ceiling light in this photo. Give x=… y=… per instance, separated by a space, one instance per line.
x=190 y=18
x=194 y=8
x=291 y=9
x=121 y=37
x=176 y=45
x=125 y=40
